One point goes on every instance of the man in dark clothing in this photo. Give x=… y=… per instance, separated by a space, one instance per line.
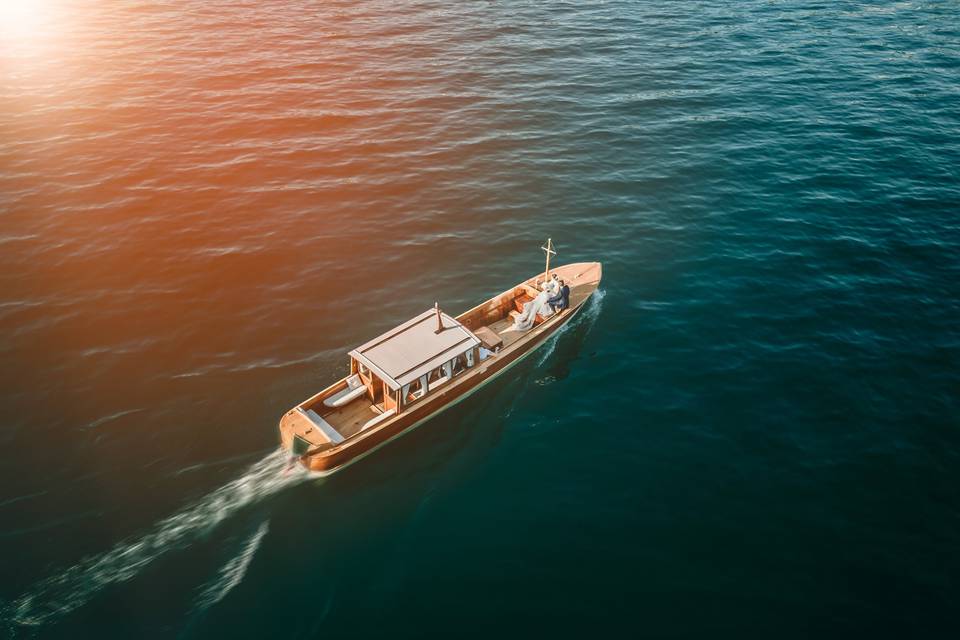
x=560 y=301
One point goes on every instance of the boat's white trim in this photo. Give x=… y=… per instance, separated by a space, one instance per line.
x=457 y=400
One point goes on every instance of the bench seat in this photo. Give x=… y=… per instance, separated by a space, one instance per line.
x=321 y=425
x=521 y=300
x=354 y=389
x=372 y=422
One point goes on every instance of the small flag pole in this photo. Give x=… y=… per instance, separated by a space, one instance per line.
x=549 y=251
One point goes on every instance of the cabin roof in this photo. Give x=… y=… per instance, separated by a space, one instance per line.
x=405 y=353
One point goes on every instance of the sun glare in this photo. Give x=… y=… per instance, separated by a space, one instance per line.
x=23 y=21
x=30 y=32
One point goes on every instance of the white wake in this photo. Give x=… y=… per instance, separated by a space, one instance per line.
x=589 y=315
x=73 y=587
x=232 y=572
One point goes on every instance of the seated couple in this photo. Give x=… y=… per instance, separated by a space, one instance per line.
x=559 y=293
x=554 y=297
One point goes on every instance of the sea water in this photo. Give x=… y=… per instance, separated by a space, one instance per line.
x=752 y=431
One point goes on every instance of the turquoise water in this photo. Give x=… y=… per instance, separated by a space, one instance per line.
x=751 y=431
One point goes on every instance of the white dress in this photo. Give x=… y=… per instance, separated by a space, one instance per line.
x=537 y=305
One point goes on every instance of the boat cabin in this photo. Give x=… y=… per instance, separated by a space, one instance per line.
x=407 y=363
x=388 y=375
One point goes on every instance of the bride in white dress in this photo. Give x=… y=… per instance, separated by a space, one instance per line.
x=537 y=306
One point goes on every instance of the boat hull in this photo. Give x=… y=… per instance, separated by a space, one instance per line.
x=319 y=465
x=330 y=460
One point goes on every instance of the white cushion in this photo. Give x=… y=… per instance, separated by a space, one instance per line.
x=378 y=419
x=322 y=426
x=348 y=394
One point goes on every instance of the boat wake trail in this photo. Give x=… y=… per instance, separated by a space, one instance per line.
x=70 y=589
x=589 y=315
x=232 y=572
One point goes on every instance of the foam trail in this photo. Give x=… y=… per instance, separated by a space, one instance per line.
x=233 y=571
x=71 y=588
x=589 y=314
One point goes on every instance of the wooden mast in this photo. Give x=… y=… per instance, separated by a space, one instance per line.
x=436 y=307
x=549 y=250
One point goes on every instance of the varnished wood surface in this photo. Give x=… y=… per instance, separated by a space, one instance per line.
x=348 y=419
x=582 y=278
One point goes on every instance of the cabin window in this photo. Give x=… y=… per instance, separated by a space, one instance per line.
x=441 y=375
x=455 y=367
x=363 y=370
x=463 y=362
x=416 y=389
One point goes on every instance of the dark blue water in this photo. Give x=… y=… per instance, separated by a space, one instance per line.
x=751 y=432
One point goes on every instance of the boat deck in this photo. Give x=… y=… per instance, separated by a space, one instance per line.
x=348 y=419
x=500 y=328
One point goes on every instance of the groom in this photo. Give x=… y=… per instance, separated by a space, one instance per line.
x=561 y=300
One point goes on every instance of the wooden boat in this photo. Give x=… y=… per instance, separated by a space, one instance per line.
x=411 y=373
